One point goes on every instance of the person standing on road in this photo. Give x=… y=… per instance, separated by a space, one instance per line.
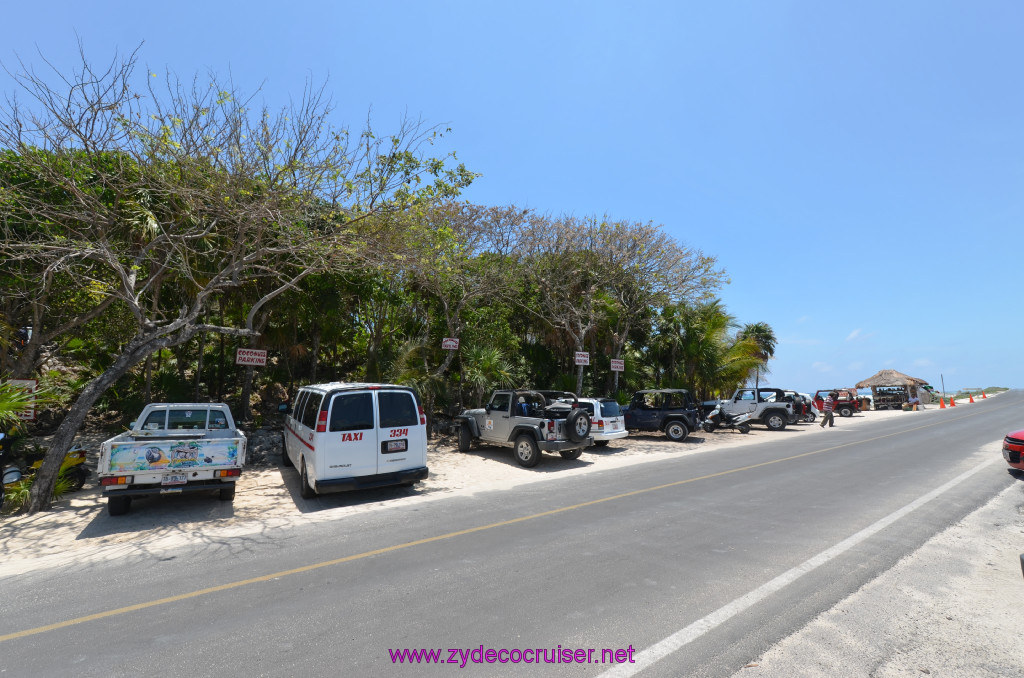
x=826 y=407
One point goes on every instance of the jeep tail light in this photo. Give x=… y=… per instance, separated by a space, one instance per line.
x=117 y=480
x=600 y=423
x=423 y=416
x=551 y=425
x=321 y=422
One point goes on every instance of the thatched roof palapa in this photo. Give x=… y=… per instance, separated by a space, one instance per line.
x=890 y=378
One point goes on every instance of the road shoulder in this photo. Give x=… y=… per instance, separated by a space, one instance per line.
x=951 y=608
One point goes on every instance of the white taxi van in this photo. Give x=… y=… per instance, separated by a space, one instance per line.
x=345 y=436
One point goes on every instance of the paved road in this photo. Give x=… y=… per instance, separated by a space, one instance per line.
x=685 y=550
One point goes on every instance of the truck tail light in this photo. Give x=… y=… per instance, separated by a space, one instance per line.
x=423 y=416
x=117 y=480
x=321 y=422
x=228 y=473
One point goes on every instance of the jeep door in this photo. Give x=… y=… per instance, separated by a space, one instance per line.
x=402 y=438
x=645 y=413
x=497 y=425
x=742 y=402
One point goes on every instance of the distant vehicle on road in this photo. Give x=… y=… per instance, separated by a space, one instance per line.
x=845 y=405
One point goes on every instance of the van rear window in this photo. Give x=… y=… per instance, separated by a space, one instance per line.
x=610 y=408
x=397 y=409
x=352 y=412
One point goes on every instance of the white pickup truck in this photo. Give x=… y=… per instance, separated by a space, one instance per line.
x=172 y=448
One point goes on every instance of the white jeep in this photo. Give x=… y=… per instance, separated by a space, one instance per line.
x=529 y=422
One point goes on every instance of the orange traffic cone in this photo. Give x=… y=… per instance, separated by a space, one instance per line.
x=971 y=400
x=952 y=403
x=942 y=403
x=983 y=395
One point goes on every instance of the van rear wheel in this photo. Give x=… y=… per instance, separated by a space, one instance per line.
x=305 y=490
x=286 y=461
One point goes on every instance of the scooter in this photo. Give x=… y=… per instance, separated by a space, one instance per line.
x=11 y=473
x=717 y=418
x=72 y=467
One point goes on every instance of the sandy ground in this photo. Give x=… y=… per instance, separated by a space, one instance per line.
x=79 y=528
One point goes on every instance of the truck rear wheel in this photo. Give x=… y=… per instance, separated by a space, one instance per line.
x=305 y=490
x=571 y=454
x=227 y=493
x=527 y=452
x=676 y=431
x=845 y=411
x=118 y=506
x=465 y=437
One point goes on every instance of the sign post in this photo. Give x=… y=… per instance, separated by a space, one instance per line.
x=251 y=357
x=582 y=358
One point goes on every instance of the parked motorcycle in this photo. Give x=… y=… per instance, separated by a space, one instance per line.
x=718 y=418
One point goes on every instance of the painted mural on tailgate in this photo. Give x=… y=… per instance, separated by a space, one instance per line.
x=159 y=455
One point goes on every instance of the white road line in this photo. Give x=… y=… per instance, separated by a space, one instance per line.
x=688 y=634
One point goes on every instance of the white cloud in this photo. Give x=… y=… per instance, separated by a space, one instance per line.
x=853 y=335
x=822 y=367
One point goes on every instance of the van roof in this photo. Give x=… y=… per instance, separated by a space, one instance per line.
x=350 y=386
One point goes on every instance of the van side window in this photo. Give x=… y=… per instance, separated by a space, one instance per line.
x=351 y=412
x=397 y=409
x=300 y=402
x=311 y=410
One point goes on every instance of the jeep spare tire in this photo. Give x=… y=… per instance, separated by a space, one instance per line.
x=578 y=425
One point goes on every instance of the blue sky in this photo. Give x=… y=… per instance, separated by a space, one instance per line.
x=856 y=167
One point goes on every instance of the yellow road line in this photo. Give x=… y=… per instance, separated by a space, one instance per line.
x=440 y=537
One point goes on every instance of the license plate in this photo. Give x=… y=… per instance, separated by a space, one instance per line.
x=397 y=445
x=1006 y=454
x=177 y=479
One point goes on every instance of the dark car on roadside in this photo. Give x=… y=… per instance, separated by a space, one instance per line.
x=672 y=410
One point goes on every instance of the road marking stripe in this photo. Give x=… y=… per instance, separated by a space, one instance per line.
x=688 y=634
x=440 y=537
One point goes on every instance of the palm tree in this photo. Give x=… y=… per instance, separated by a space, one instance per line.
x=764 y=336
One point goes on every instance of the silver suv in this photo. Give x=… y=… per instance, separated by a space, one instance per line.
x=529 y=422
